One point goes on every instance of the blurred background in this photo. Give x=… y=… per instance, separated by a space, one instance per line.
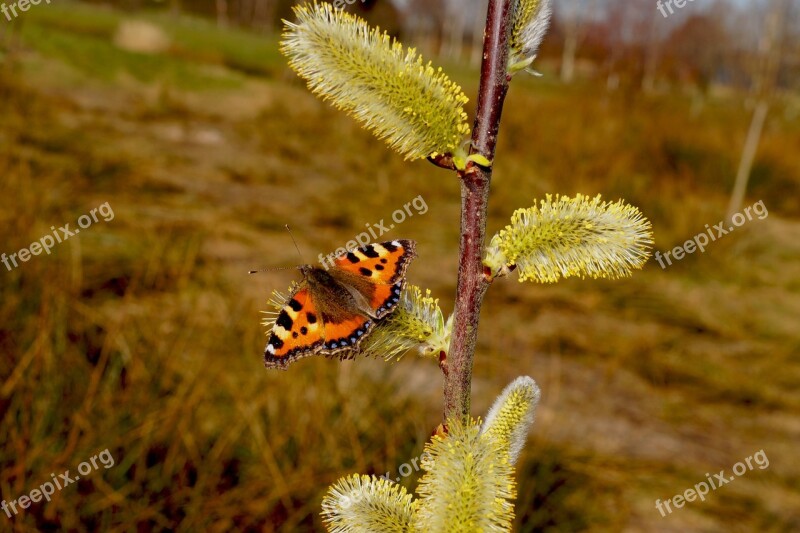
x=142 y=335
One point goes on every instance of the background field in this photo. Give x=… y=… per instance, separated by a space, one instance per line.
x=142 y=334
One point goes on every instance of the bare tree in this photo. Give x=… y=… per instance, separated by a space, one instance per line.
x=222 y=12
x=615 y=24
x=654 y=39
x=246 y=12
x=764 y=82
x=454 y=29
x=571 y=22
x=424 y=20
x=574 y=18
x=264 y=14
x=477 y=32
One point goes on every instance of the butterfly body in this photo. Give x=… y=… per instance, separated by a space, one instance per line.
x=333 y=310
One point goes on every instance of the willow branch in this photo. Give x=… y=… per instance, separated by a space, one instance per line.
x=475 y=180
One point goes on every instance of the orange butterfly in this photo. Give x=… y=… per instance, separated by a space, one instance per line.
x=332 y=311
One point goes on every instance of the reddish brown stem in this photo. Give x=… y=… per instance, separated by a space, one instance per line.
x=475 y=181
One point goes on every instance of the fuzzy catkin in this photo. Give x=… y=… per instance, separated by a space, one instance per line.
x=566 y=237
x=389 y=89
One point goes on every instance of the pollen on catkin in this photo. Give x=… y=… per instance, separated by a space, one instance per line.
x=565 y=237
x=511 y=415
x=468 y=484
x=529 y=25
x=417 y=324
x=367 y=504
x=275 y=304
x=389 y=89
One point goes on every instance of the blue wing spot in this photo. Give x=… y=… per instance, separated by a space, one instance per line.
x=352 y=339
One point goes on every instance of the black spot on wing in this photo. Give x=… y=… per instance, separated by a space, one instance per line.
x=275 y=341
x=353 y=258
x=365 y=271
x=284 y=320
x=312 y=318
x=389 y=246
x=370 y=252
x=295 y=305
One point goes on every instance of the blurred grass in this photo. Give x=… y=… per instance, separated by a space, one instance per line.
x=198 y=41
x=143 y=336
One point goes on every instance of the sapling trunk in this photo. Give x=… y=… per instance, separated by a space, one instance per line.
x=475 y=180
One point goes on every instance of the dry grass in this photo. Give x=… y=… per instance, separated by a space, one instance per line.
x=142 y=334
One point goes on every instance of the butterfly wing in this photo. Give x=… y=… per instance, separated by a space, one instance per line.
x=377 y=272
x=302 y=329
x=297 y=333
x=322 y=318
x=346 y=334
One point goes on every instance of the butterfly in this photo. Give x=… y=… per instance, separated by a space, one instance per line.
x=332 y=311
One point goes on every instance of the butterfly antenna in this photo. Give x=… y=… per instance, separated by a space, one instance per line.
x=295 y=244
x=268 y=269
x=282 y=268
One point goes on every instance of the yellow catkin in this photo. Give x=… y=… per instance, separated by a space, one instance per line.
x=367 y=504
x=389 y=89
x=566 y=237
x=530 y=21
x=468 y=484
